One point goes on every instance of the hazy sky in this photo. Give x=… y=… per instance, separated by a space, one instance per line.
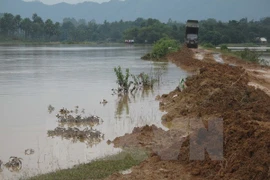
x=68 y=1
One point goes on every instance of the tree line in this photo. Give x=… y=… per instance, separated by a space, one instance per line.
x=141 y=30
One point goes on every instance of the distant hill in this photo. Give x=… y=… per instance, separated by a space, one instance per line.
x=115 y=10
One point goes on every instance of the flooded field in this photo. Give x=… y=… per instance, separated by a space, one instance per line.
x=261 y=48
x=72 y=77
x=265 y=52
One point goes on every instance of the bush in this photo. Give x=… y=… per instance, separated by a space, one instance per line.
x=224 y=47
x=163 y=47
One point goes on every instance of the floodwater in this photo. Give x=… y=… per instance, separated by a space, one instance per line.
x=265 y=52
x=260 y=48
x=218 y=58
x=34 y=77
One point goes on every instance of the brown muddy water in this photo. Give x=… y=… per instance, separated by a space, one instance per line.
x=34 y=77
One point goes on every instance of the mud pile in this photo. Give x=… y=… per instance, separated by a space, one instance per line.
x=217 y=91
x=165 y=144
x=222 y=91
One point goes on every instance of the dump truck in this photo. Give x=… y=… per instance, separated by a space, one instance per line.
x=192 y=31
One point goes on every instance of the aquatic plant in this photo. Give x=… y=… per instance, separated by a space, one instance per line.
x=122 y=80
x=147 y=80
x=141 y=81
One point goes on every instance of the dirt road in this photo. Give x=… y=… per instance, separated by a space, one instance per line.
x=221 y=88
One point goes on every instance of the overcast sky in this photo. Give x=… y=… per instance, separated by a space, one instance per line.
x=68 y=1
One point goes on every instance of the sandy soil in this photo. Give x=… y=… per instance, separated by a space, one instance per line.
x=214 y=92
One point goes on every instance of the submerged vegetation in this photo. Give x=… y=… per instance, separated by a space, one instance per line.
x=122 y=80
x=74 y=119
x=141 y=81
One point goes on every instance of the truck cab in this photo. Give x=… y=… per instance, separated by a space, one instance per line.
x=191 y=35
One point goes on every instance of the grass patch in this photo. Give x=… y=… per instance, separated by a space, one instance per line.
x=98 y=169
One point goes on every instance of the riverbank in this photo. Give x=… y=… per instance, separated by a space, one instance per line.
x=215 y=91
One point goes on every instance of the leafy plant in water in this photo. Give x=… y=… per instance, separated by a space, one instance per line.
x=122 y=80
x=143 y=80
x=147 y=80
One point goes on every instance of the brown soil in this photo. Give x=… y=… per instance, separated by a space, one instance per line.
x=214 y=91
x=259 y=76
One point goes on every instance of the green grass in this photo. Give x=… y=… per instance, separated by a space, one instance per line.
x=98 y=169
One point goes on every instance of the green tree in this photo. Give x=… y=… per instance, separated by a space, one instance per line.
x=26 y=26
x=49 y=28
x=67 y=31
x=37 y=27
x=7 y=24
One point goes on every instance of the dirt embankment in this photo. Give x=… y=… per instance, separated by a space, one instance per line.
x=215 y=91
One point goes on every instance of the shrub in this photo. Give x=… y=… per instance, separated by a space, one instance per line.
x=224 y=48
x=164 y=46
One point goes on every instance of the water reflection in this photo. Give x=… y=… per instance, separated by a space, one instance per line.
x=122 y=105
